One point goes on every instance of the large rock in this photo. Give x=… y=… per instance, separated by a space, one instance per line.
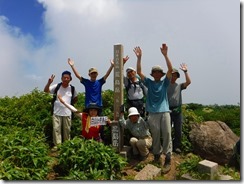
x=213 y=140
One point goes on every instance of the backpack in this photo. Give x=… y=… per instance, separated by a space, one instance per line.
x=55 y=95
x=139 y=82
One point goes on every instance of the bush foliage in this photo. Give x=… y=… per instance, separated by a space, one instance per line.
x=91 y=159
x=26 y=137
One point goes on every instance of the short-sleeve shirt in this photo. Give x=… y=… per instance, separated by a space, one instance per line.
x=174 y=94
x=157 y=100
x=93 y=90
x=66 y=93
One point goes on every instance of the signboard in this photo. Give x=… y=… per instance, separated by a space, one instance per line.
x=116 y=130
x=118 y=80
x=99 y=120
x=115 y=135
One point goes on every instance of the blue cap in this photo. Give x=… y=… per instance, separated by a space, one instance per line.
x=66 y=73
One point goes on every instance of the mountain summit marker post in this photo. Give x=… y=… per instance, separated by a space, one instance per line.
x=116 y=129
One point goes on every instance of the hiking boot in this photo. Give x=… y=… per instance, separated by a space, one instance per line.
x=157 y=160
x=166 y=168
x=167 y=163
x=142 y=158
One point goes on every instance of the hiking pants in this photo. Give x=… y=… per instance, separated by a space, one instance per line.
x=160 y=128
x=141 y=146
x=61 y=129
x=176 y=122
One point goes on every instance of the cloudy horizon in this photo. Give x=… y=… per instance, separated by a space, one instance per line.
x=203 y=34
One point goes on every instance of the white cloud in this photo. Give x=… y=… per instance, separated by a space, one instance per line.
x=199 y=33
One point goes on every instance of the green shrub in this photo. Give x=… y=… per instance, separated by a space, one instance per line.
x=24 y=154
x=88 y=159
x=26 y=131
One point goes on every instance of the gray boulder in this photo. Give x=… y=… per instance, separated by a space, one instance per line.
x=213 y=140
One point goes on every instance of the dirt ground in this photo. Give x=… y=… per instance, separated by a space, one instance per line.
x=135 y=166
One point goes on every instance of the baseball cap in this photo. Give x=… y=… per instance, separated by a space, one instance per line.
x=130 y=69
x=176 y=71
x=66 y=73
x=92 y=70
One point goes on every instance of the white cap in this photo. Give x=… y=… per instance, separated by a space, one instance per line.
x=133 y=111
x=130 y=69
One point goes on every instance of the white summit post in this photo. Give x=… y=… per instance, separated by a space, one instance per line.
x=116 y=130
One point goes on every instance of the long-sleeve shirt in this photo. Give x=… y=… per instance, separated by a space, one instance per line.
x=140 y=129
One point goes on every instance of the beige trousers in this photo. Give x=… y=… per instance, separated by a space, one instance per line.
x=141 y=146
x=61 y=129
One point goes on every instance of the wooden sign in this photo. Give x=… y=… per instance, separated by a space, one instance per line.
x=116 y=130
x=118 y=80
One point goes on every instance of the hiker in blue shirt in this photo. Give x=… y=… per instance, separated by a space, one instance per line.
x=93 y=86
x=158 y=108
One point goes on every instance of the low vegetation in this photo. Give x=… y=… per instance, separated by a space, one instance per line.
x=26 y=140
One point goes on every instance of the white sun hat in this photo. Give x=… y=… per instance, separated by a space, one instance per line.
x=133 y=111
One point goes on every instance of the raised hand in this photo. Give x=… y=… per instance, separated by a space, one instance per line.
x=125 y=59
x=183 y=67
x=138 y=52
x=164 y=49
x=50 y=80
x=71 y=62
x=112 y=62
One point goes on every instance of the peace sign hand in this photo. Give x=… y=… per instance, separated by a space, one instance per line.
x=50 y=80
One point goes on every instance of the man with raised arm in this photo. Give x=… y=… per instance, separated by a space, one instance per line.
x=158 y=108
x=93 y=86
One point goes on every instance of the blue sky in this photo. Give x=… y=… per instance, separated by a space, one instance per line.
x=37 y=37
x=27 y=15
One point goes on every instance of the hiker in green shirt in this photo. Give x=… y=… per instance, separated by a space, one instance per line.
x=141 y=139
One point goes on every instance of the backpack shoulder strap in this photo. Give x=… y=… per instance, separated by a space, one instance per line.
x=55 y=95
x=72 y=92
x=57 y=88
x=141 y=85
x=128 y=85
